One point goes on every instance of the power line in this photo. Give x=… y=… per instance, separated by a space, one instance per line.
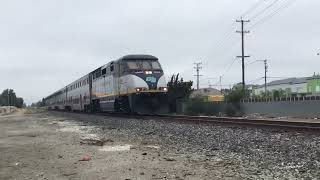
x=229 y=67
x=255 y=80
x=278 y=77
x=264 y=9
x=221 y=43
x=198 y=67
x=252 y=8
x=286 y=5
x=227 y=36
x=227 y=70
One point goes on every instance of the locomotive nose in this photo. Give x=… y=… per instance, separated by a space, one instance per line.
x=151 y=103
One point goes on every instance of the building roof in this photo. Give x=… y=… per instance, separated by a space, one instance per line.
x=290 y=81
x=205 y=92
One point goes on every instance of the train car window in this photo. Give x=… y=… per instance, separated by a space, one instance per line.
x=98 y=72
x=104 y=71
x=146 y=65
x=111 y=68
x=133 y=65
x=108 y=71
x=155 y=65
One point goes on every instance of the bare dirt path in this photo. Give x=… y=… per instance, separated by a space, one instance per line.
x=45 y=146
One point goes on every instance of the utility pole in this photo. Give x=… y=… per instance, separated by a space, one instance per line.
x=8 y=98
x=209 y=84
x=265 y=73
x=198 y=67
x=220 y=81
x=265 y=76
x=243 y=32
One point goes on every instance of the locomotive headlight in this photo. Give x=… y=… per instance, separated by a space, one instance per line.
x=148 y=72
x=138 y=89
x=163 y=88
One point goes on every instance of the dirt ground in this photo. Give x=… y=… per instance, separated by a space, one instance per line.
x=44 y=146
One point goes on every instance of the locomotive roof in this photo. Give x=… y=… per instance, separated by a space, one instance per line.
x=139 y=57
x=124 y=58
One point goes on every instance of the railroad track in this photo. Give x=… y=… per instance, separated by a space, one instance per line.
x=239 y=121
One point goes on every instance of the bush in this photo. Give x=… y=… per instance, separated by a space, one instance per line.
x=196 y=106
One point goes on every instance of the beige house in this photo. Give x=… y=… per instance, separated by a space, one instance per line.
x=209 y=94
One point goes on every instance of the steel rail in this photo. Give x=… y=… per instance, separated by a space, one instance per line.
x=212 y=120
x=239 y=121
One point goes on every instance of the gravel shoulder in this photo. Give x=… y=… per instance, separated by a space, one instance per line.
x=49 y=145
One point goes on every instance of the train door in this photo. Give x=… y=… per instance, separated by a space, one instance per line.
x=90 y=88
x=114 y=74
x=80 y=102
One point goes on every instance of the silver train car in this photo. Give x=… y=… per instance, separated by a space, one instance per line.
x=133 y=83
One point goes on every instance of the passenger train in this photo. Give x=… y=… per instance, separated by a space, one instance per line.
x=133 y=83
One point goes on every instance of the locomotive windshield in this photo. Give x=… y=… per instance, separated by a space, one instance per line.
x=143 y=65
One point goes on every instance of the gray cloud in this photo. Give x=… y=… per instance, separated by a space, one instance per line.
x=44 y=45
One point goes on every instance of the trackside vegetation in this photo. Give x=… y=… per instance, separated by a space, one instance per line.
x=9 y=98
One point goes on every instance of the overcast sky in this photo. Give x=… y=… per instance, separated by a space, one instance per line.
x=45 y=45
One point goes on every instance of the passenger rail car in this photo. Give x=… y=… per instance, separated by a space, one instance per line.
x=133 y=83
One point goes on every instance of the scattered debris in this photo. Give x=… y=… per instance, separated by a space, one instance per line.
x=144 y=153
x=60 y=156
x=85 y=158
x=169 y=158
x=116 y=148
x=31 y=135
x=92 y=141
x=40 y=174
x=108 y=140
x=153 y=147
x=69 y=174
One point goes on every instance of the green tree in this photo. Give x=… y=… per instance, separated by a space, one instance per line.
x=8 y=98
x=19 y=103
x=178 y=90
x=236 y=94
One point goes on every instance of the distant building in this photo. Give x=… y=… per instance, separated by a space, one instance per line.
x=207 y=94
x=305 y=86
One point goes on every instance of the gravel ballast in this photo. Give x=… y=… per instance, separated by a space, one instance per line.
x=245 y=152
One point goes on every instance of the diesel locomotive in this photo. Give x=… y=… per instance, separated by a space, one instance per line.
x=131 y=84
